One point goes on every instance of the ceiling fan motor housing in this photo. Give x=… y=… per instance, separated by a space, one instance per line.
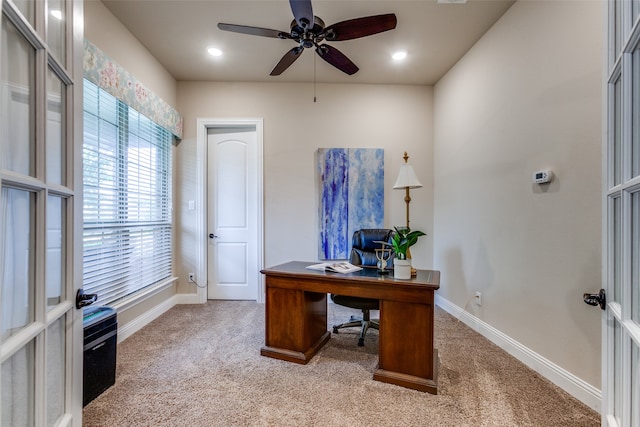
x=299 y=34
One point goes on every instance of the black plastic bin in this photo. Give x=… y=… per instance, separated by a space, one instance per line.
x=100 y=341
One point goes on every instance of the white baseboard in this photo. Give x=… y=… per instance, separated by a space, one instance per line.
x=189 y=299
x=578 y=388
x=143 y=320
x=575 y=386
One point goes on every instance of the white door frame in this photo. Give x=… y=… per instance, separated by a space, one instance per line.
x=202 y=190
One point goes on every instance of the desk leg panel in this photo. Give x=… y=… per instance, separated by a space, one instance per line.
x=406 y=345
x=429 y=385
x=296 y=324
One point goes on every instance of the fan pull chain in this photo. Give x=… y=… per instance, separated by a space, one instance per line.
x=314 y=78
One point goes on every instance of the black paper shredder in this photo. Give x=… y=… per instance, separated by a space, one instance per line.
x=100 y=340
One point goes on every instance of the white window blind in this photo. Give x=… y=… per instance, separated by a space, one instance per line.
x=127 y=198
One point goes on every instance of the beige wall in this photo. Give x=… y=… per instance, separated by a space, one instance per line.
x=395 y=118
x=526 y=97
x=109 y=35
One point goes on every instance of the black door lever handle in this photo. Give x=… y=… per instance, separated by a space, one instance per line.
x=596 y=299
x=83 y=300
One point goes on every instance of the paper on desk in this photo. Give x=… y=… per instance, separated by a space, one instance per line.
x=336 y=267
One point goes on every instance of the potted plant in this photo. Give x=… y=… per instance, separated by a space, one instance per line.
x=401 y=241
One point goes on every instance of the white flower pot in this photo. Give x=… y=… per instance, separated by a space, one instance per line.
x=402 y=269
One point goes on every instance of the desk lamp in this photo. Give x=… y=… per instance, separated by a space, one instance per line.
x=407 y=179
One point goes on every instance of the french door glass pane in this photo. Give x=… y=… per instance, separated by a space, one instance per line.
x=17 y=114
x=55 y=129
x=55 y=271
x=617 y=371
x=55 y=370
x=18 y=388
x=635 y=384
x=56 y=19
x=635 y=257
x=617 y=247
x=635 y=109
x=18 y=284
x=617 y=36
x=617 y=133
x=26 y=7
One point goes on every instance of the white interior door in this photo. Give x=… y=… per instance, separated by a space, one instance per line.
x=232 y=213
x=621 y=246
x=40 y=213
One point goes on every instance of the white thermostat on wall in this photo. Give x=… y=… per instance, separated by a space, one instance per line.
x=542 y=177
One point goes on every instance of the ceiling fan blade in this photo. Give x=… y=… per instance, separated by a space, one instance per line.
x=254 y=31
x=288 y=59
x=303 y=12
x=360 y=27
x=336 y=58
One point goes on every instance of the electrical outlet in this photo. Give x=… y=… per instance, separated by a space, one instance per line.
x=192 y=278
x=478 y=298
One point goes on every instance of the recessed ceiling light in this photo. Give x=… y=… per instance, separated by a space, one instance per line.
x=399 y=55
x=56 y=14
x=214 y=51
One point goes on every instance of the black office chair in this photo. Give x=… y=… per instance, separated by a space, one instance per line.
x=363 y=253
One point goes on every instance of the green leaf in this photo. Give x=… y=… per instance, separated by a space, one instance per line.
x=403 y=239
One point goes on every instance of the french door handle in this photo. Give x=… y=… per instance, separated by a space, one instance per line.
x=83 y=300
x=596 y=299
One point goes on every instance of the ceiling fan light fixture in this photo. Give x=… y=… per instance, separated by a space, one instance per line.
x=214 y=51
x=399 y=55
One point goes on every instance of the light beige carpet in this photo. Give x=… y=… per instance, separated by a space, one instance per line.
x=200 y=365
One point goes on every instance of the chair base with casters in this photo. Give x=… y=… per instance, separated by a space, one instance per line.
x=365 y=322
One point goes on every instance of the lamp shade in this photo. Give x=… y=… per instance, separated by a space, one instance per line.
x=406 y=178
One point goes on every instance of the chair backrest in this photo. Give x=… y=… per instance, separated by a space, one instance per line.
x=363 y=245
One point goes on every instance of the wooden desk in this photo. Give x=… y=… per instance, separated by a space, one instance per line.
x=296 y=319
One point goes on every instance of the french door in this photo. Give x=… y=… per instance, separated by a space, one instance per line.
x=621 y=321
x=40 y=212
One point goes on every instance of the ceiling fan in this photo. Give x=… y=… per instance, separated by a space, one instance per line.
x=309 y=31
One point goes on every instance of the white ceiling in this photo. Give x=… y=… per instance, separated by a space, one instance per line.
x=178 y=33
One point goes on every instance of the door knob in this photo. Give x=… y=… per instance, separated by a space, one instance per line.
x=212 y=236
x=596 y=299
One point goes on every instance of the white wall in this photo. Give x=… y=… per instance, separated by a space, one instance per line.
x=395 y=118
x=527 y=96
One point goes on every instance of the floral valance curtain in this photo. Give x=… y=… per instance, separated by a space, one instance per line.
x=108 y=75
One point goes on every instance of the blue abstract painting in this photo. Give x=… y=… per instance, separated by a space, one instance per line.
x=351 y=196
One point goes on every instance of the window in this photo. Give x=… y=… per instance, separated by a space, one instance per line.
x=127 y=198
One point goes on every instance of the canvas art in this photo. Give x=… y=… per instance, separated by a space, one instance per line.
x=351 y=196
